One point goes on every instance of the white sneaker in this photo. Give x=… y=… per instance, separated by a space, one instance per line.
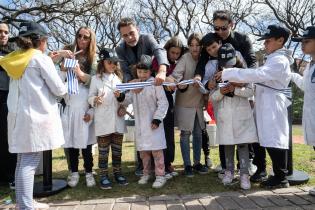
x=312 y=191
x=252 y=168
x=144 y=179
x=228 y=177
x=221 y=174
x=218 y=168
x=73 y=179
x=36 y=205
x=245 y=183
x=90 y=181
x=208 y=162
x=168 y=176
x=159 y=182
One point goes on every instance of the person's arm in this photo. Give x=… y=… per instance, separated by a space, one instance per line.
x=200 y=68
x=178 y=73
x=298 y=80
x=93 y=92
x=162 y=104
x=270 y=71
x=127 y=73
x=51 y=77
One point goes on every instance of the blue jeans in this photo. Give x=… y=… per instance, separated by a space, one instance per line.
x=197 y=143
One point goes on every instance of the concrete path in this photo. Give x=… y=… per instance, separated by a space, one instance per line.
x=279 y=199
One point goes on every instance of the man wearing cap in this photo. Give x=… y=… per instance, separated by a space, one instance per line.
x=271 y=106
x=8 y=160
x=307 y=84
x=134 y=45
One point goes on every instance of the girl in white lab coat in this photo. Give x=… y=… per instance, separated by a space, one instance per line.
x=34 y=123
x=307 y=84
x=235 y=121
x=271 y=106
x=109 y=127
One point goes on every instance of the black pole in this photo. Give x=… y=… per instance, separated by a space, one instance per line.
x=48 y=186
x=294 y=177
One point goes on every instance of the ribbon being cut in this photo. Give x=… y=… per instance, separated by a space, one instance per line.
x=135 y=85
x=73 y=84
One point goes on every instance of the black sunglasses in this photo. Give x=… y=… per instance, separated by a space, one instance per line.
x=84 y=37
x=222 y=28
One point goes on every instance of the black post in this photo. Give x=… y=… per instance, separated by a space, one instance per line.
x=294 y=177
x=48 y=186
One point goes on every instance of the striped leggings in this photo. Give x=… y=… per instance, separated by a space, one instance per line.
x=24 y=179
x=114 y=141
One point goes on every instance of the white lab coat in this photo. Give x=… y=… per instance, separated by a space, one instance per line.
x=271 y=106
x=308 y=87
x=34 y=123
x=105 y=115
x=151 y=103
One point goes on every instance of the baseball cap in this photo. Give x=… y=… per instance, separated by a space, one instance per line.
x=108 y=54
x=275 y=31
x=145 y=62
x=29 y=28
x=309 y=33
x=227 y=55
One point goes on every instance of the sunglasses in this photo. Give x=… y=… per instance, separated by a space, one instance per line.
x=84 y=37
x=222 y=28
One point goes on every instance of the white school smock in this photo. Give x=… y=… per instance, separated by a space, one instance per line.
x=106 y=118
x=271 y=106
x=308 y=86
x=34 y=123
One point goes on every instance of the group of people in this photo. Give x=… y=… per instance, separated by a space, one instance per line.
x=220 y=67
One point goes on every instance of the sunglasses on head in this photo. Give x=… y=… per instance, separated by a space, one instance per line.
x=84 y=37
x=222 y=28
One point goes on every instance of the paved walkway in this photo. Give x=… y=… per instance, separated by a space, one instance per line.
x=286 y=199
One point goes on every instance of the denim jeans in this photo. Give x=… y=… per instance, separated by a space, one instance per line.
x=197 y=143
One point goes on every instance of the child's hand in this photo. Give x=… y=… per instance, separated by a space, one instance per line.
x=155 y=123
x=211 y=84
x=87 y=118
x=121 y=111
x=98 y=100
x=231 y=87
x=197 y=78
x=116 y=93
x=224 y=90
x=218 y=76
x=182 y=86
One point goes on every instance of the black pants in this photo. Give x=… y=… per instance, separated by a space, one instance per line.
x=259 y=157
x=205 y=143
x=7 y=159
x=222 y=156
x=168 y=121
x=279 y=158
x=87 y=158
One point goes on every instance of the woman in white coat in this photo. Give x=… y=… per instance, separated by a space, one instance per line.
x=235 y=120
x=271 y=106
x=307 y=84
x=34 y=123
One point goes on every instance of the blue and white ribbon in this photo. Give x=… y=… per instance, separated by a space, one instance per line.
x=73 y=84
x=286 y=91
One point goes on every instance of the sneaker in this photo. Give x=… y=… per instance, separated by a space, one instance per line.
x=120 y=179
x=273 y=182
x=208 y=162
x=168 y=175
x=171 y=169
x=221 y=174
x=188 y=171
x=139 y=171
x=73 y=179
x=105 y=183
x=90 y=181
x=245 y=183
x=259 y=177
x=144 y=179
x=252 y=168
x=218 y=168
x=228 y=178
x=201 y=169
x=159 y=182
x=312 y=191
x=12 y=185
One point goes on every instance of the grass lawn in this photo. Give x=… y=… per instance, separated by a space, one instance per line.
x=304 y=159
